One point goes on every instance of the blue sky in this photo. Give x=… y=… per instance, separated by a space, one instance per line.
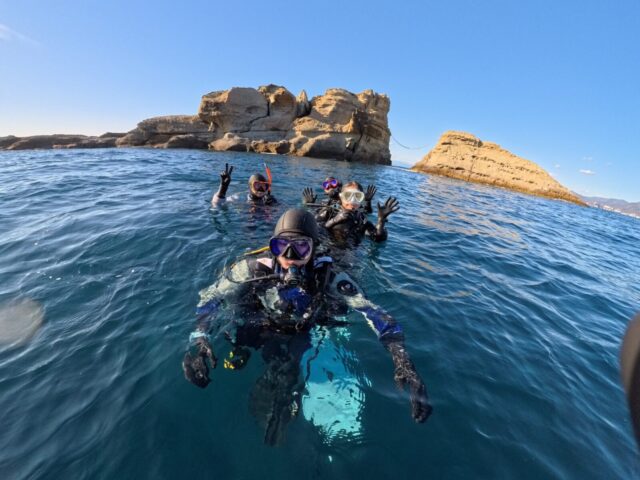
x=556 y=82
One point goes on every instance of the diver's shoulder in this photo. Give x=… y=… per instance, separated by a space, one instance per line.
x=264 y=263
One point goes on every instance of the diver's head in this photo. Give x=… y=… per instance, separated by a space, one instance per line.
x=351 y=196
x=294 y=238
x=258 y=185
x=331 y=187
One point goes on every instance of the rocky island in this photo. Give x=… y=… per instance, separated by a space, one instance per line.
x=465 y=157
x=270 y=119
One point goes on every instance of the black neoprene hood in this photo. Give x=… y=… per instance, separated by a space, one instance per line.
x=297 y=221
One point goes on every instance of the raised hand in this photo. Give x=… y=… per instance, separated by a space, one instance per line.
x=390 y=206
x=225 y=176
x=369 y=193
x=308 y=196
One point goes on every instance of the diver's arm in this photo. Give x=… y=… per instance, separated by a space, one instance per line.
x=225 y=181
x=391 y=336
x=199 y=350
x=212 y=297
x=379 y=232
x=342 y=216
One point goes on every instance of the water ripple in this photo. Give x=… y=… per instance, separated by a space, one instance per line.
x=513 y=309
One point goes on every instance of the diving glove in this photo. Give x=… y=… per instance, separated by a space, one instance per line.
x=225 y=180
x=368 y=196
x=390 y=206
x=195 y=366
x=308 y=196
x=405 y=375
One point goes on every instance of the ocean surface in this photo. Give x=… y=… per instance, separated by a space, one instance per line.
x=513 y=307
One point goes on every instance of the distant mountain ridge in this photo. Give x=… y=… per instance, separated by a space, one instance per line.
x=614 y=205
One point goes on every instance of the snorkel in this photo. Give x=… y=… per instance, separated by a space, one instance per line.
x=269 y=177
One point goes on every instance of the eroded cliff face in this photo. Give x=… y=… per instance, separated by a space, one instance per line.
x=465 y=157
x=270 y=119
x=338 y=124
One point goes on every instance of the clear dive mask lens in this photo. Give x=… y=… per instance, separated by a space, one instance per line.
x=352 y=196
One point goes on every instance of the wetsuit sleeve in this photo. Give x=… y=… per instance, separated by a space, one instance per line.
x=212 y=297
x=381 y=322
x=377 y=233
x=391 y=336
x=342 y=216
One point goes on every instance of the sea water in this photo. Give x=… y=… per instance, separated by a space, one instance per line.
x=513 y=308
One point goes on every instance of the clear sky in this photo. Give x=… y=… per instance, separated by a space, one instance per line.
x=554 y=81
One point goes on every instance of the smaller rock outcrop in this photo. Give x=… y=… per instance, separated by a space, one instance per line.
x=171 y=131
x=465 y=157
x=39 y=142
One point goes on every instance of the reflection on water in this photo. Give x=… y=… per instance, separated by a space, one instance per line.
x=334 y=397
x=19 y=321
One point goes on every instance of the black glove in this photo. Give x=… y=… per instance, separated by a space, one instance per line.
x=371 y=191
x=390 y=206
x=195 y=367
x=405 y=375
x=368 y=196
x=225 y=180
x=308 y=196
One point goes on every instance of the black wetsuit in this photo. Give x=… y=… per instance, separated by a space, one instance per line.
x=351 y=224
x=267 y=199
x=277 y=317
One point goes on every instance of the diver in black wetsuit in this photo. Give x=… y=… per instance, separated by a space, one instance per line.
x=285 y=293
x=259 y=188
x=350 y=221
x=332 y=188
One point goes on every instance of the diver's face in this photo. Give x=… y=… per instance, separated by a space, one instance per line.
x=352 y=204
x=331 y=187
x=259 y=189
x=286 y=263
x=258 y=193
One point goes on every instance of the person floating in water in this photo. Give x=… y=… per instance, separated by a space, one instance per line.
x=350 y=221
x=284 y=294
x=332 y=188
x=259 y=188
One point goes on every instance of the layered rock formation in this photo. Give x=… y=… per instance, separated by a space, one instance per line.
x=270 y=119
x=338 y=124
x=170 y=131
x=463 y=156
